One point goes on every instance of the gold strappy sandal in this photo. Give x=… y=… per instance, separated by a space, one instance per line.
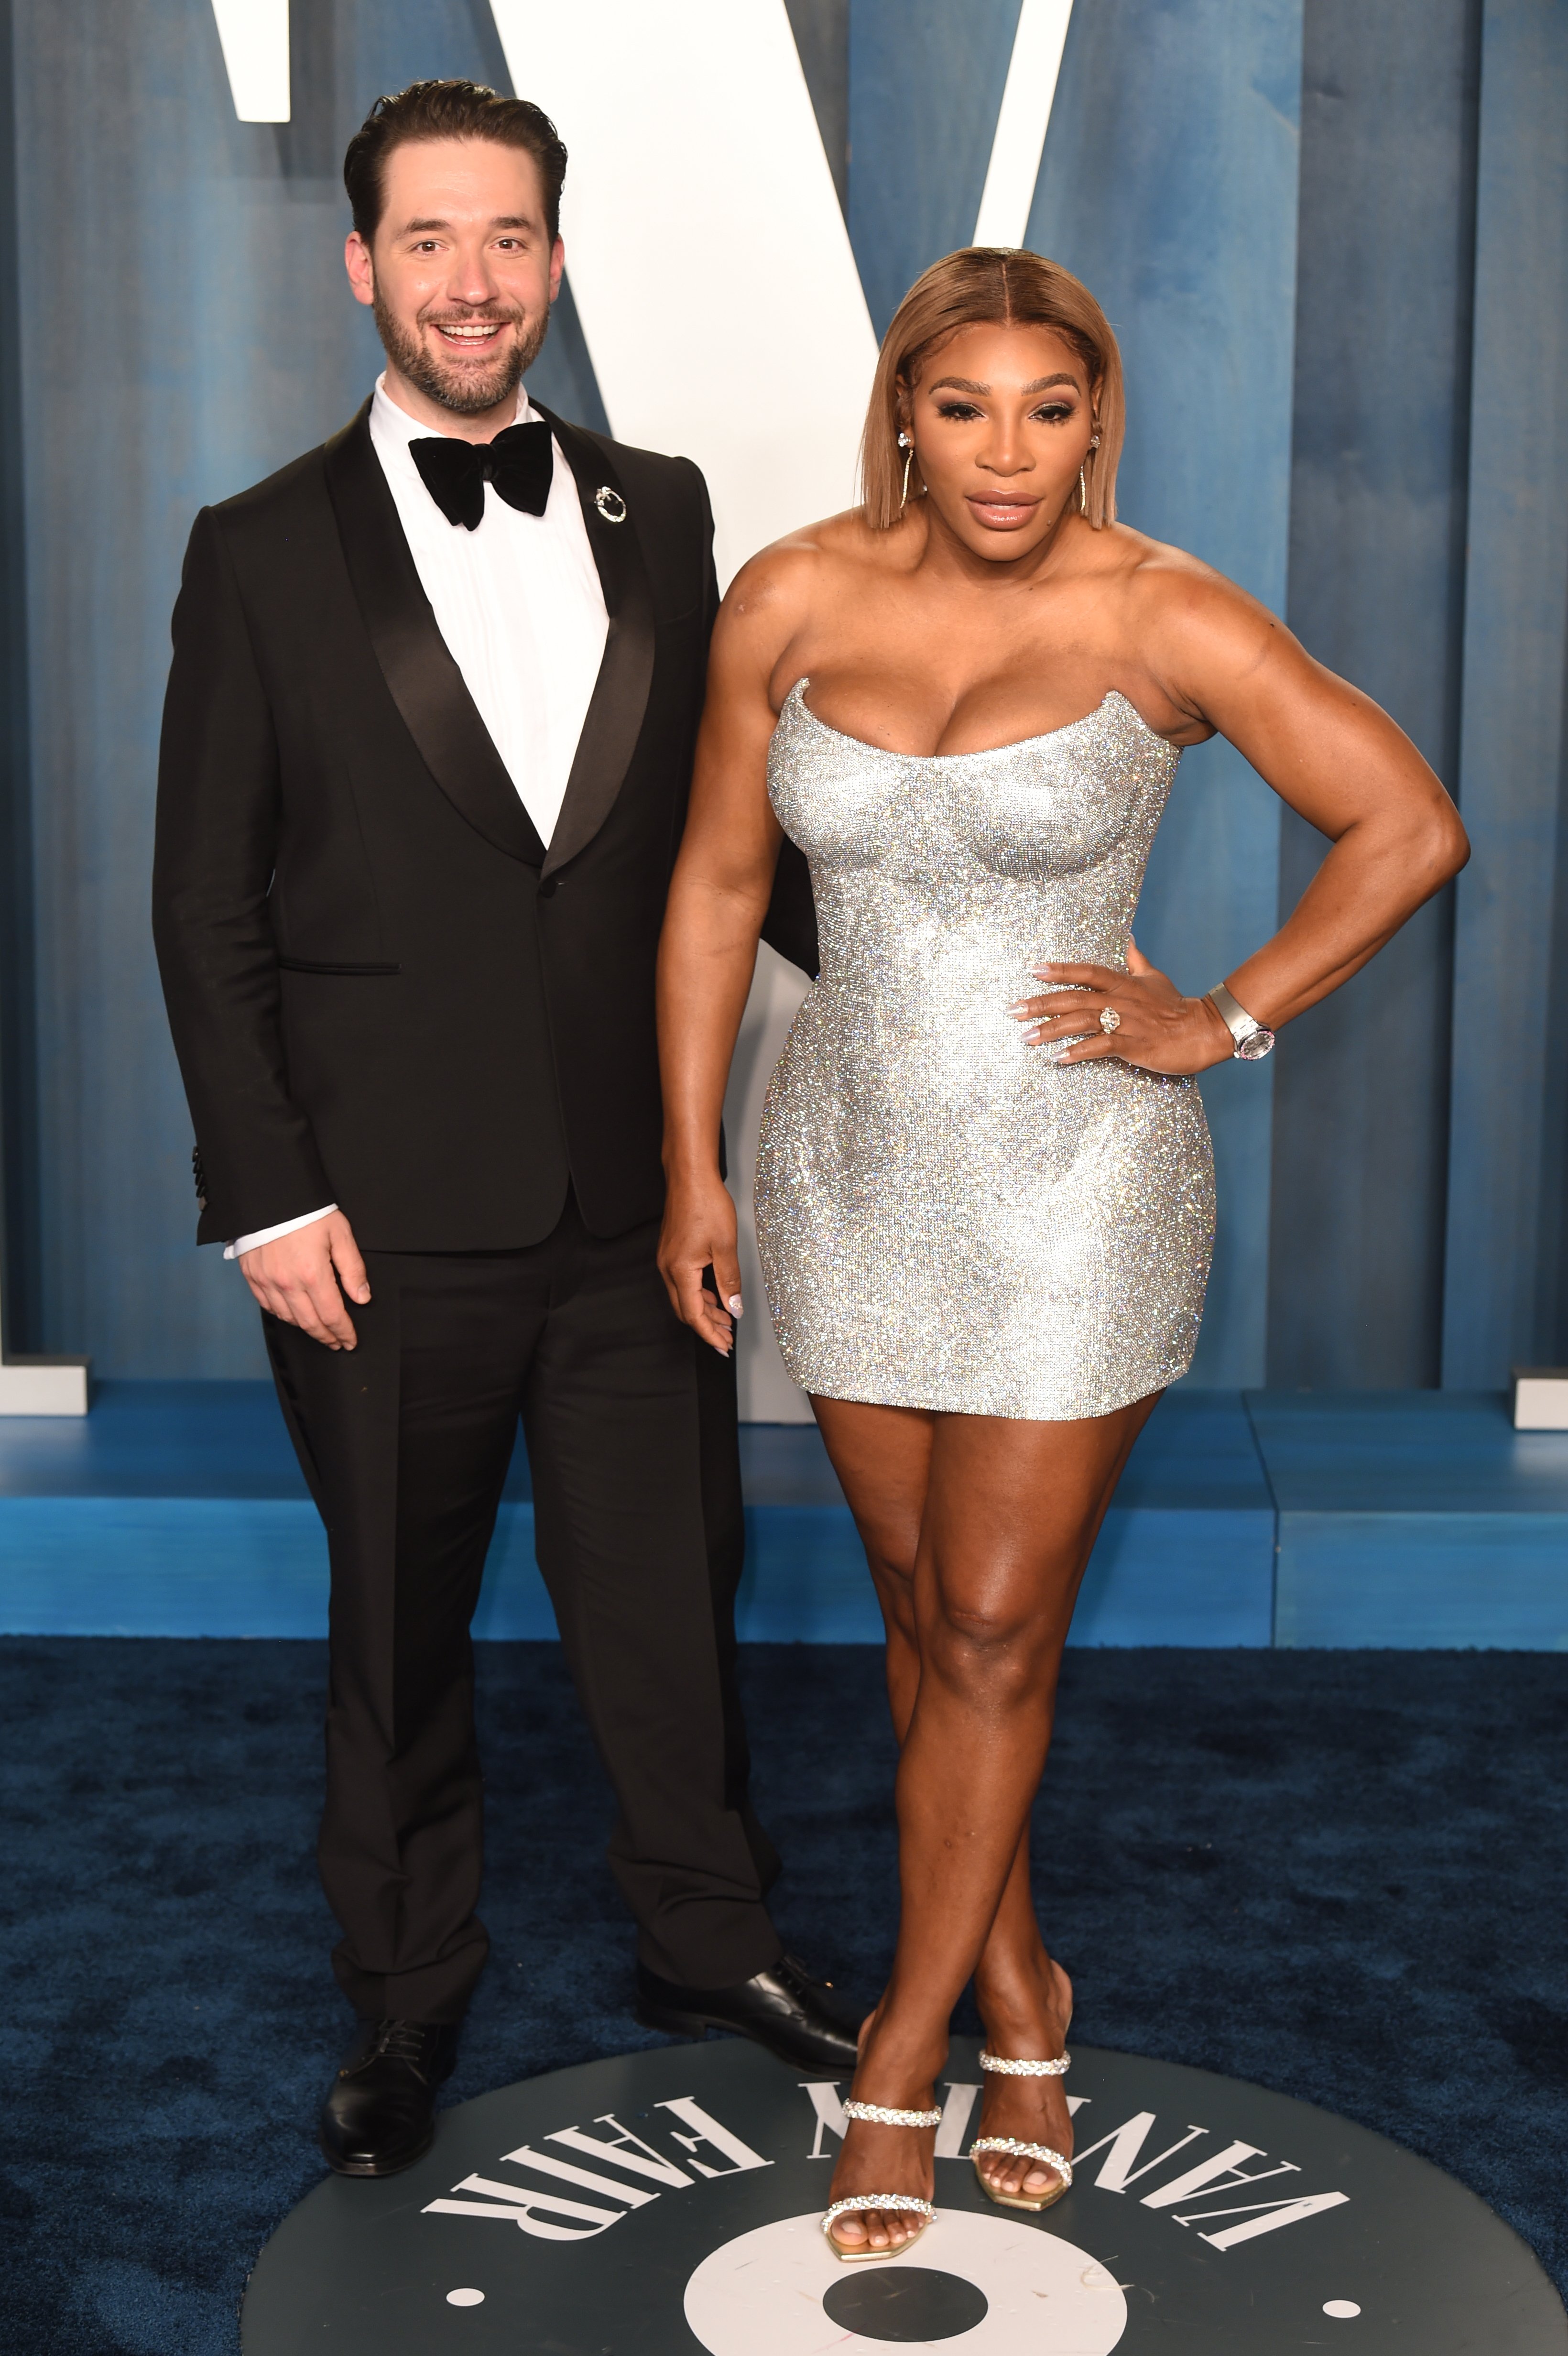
x=1010 y=2144
x=879 y=2116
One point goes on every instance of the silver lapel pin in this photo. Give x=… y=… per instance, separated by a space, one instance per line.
x=610 y=504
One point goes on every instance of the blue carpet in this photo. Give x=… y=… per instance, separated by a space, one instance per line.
x=1341 y=1874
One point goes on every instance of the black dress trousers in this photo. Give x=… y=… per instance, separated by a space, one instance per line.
x=629 y=1423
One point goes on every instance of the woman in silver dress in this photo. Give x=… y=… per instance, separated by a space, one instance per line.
x=984 y=1195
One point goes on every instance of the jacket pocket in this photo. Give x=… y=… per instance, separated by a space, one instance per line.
x=309 y=965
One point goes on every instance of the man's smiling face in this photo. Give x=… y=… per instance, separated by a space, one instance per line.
x=461 y=272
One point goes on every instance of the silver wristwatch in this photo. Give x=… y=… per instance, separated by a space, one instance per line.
x=1251 y=1038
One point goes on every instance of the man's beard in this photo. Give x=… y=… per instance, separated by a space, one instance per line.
x=465 y=390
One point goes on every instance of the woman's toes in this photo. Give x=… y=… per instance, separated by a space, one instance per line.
x=890 y=2228
x=1030 y=2177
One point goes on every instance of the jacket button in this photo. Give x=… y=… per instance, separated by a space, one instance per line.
x=547 y=889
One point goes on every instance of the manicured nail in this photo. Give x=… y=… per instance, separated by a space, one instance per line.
x=735 y=1304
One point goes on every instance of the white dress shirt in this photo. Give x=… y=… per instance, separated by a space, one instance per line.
x=519 y=605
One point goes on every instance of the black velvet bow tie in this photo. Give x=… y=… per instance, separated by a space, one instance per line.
x=520 y=463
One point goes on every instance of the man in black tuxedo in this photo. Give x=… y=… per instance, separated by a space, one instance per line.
x=424 y=768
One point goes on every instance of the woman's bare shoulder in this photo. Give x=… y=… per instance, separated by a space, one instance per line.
x=1147 y=567
x=816 y=561
x=789 y=592
x=1195 y=632
x=1176 y=598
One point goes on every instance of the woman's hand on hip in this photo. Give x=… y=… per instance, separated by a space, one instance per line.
x=1156 y=1028
x=698 y=1235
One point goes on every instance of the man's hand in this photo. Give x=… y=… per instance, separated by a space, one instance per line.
x=296 y=1279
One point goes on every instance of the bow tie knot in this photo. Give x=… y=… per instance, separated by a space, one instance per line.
x=520 y=463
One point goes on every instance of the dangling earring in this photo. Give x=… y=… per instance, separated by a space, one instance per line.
x=905 y=443
x=1082 y=487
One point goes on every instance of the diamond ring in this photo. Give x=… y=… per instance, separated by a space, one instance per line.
x=1109 y=1020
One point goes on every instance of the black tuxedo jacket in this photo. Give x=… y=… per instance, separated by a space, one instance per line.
x=384 y=991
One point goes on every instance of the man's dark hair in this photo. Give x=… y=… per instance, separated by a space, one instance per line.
x=448 y=109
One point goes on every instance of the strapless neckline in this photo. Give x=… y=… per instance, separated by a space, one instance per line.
x=984 y=753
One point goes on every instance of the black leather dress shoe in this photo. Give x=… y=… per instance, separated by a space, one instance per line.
x=805 y=2021
x=380 y=2114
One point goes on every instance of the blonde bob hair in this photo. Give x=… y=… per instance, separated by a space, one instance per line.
x=1002 y=286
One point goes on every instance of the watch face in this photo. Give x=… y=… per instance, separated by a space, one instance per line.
x=1257 y=1043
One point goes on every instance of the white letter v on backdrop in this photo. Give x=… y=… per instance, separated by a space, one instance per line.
x=708 y=254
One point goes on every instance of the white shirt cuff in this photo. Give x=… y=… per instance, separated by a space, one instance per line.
x=243 y=1244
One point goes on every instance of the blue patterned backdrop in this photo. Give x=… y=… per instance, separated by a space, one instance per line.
x=1334 y=241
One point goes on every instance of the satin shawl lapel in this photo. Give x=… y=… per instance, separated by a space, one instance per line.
x=620 y=697
x=426 y=685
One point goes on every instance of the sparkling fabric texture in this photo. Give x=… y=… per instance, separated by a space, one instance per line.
x=948 y=1219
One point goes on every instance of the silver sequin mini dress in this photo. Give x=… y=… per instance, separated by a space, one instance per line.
x=946 y=1219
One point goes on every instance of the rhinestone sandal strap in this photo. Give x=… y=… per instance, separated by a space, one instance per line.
x=1026 y=2069
x=864 y=2200
x=1017 y=2150
x=879 y=2116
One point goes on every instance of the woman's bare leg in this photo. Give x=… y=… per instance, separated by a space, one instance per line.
x=977 y=1530
x=883 y=1457
x=1024 y=1999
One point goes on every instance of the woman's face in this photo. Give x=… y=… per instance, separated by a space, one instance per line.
x=1001 y=419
